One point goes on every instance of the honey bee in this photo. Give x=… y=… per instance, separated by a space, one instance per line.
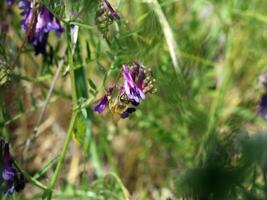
x=119 y=105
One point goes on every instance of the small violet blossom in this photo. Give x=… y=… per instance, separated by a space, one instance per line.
x=13 y=179
x=42 y=24
x=101 y=105
x=103 y=102
x=10 y=2
x=137 y=82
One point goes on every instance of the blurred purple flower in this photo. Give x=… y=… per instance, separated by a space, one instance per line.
x=9 y=2
x=14 y=180
x=263 y=106
x=25 y=6
x=45 y=23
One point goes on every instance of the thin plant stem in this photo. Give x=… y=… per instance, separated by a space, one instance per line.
x=62 y=157
x=30 y=179
x=53 y=84
x=48 y=193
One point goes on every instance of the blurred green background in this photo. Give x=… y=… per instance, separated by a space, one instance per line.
x=199 y=137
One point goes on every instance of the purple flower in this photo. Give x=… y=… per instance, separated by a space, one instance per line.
x=45 y=23
x=13 y=180
x=124 y=98
x=128 y=111
x=9 y=2
x=263 y=106
x=101 y=105
x=132 y=91
x=25 y=6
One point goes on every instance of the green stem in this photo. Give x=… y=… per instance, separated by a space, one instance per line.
x=62 y=156
x=53 y=181
x=30 y=179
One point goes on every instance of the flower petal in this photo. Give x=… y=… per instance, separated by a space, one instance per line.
x=128 y=112
x=101 y=105
x=8 y=174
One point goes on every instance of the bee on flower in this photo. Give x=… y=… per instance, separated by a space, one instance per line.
x=123 y=99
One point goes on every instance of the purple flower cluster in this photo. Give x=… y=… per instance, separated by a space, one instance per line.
x=38 y=27
x=137 y=83
x=13 y=180
x=105 y=16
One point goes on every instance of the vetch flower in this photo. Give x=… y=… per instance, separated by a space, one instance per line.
x=42 y=24
x=123 y=99
x=11 y=180
x=132 y=91
x=142 y=77
x=105 y=16
x=101 y=105
x=25 y=6
x=9 y=2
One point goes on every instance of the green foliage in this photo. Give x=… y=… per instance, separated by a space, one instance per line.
x=199 y=137
x=57 y=7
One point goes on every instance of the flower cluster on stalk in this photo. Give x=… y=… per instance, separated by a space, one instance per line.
x=11 y=180
x=123 y=99
x=105 y=16
x=38 y=21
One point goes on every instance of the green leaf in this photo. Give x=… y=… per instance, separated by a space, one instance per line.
x=46 y=167
x=82 y=132
x=57 y=7
x=92 y=84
